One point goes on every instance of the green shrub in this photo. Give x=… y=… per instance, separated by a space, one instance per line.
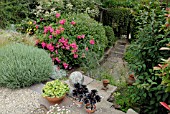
x=143 y=54
x=110 y=35
x=23 y=65
x=13 y=11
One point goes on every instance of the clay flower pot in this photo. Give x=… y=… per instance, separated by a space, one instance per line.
x=79 y=104
x=105 y=84
x=55 y=99
x=88 y=110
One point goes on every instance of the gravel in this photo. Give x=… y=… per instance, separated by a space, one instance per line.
x=18 y=101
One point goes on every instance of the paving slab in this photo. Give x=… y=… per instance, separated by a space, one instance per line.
x=131 y=111
x=99 y=85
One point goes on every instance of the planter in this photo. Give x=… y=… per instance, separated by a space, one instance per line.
x=88 y=108
x=105 y=84
x=79 y=104
x=55 y=99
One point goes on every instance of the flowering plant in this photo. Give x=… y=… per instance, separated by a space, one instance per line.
x=65 y=41
x=56 y=109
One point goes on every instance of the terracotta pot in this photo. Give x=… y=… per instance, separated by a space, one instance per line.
x=79 y=104
x=89 y=111
x=55 y=99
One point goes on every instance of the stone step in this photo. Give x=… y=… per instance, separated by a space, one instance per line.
x=121 y=50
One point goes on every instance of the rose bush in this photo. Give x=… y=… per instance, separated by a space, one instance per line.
x=68 y=38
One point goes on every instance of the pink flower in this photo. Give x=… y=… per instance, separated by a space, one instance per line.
x=41 y=19
x=73 y=23
x=57 y=59
x=35 y=22
x=51 y=29
x=61 y=29
x=92 y=42
x=43 y=44
x=62 y=22
x=51 y=36
x=74 y=45
x=75 y=56
x=65 y=65
x=73 y=51
x=57 y=15
x=37 y=42
x=36 y=26
x=68 y=47
x=86 y=48
x=45 y=29
x=58 y=31
x=50 y=47
x=79 y=37
x=83 y=36
x=56 y=51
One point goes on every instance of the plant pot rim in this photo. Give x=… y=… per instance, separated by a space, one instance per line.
x=89 y=110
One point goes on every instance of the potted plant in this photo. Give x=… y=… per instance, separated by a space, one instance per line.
x=79 y=93
x=55 y=91
x=90 y=100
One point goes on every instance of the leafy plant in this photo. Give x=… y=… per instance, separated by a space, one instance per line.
x=92 y=98
x=55 y=88
x=79 y=92
x=144 y=54
x=22 y=65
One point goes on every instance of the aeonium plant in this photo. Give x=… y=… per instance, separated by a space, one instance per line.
x=66 y=47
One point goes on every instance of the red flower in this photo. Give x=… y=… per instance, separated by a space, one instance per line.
x=65 y=65
x=73 y=23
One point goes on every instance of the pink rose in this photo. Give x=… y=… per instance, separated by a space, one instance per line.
x=56 y=51
x=83 y=36
x=86 y=48
x=51 y=36
x=57 y=59
x=36 y=26
x=73 y=23
x=57 y=15
x=43 y=44
x=35 y=22
x=75 y=56
x=50 y=47
x=62 y=22
x=79 y=37
x=65 y=65
x=58 y=31
x=92 y=42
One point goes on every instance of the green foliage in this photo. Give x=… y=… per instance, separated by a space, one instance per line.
x=110 y=35
x=55 y=88
x=119 y=18
x=124 y=97
x=13 y=11
x=144 y=54
x=23 y=65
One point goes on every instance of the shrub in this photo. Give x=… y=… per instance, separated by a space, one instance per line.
x=110 y=35
x=144 y=54
x=71 y=38
x=23 y=65
x=13 y=11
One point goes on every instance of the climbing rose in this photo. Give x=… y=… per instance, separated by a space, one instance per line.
x=57 y=15
x=92 y=42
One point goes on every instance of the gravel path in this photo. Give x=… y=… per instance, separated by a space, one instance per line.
x=19 y=101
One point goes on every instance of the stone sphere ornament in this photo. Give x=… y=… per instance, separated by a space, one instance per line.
x=76 y=77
